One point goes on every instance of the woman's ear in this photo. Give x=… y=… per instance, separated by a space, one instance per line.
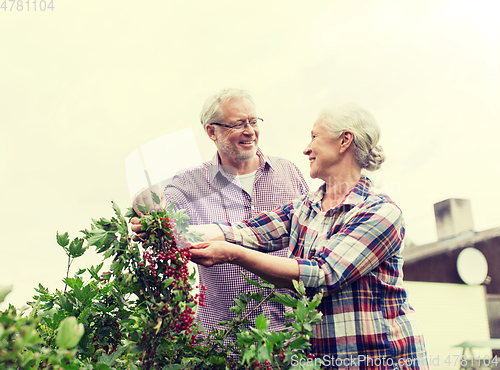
x=347 y=138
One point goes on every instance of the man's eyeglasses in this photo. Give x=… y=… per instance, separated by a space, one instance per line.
x=240 y=126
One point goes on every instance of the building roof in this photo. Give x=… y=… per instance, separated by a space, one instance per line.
x=471 y=238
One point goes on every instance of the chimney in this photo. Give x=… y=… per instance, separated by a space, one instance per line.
x=453 y=217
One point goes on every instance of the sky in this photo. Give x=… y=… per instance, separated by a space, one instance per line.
x=86 y=83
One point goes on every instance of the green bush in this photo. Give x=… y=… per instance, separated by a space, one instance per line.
x=140 y=313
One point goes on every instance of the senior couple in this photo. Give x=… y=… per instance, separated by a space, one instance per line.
x=343 y=239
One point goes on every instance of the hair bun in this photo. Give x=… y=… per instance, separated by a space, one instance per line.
x=375 y=158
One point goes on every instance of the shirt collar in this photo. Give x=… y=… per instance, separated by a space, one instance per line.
x=216 y=165
x=356 y=195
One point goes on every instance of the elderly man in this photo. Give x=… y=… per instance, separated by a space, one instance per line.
x=238 y=183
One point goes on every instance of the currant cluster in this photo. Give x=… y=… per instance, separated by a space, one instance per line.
x=143 y=342
x=183 y=322
x=267 y=365
x=282 y=356
x=200 y=296
x=166 y=275
x=164 y=258
x=177 y=267
x=108 y=342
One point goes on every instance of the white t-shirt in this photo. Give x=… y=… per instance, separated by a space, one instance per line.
x=246 y=181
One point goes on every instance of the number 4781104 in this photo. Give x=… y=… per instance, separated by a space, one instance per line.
x=27 y=5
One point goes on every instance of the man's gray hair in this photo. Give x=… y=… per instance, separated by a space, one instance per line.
x=366 y=131
x=212 y=109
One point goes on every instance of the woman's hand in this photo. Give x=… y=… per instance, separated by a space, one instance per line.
x=214 y=252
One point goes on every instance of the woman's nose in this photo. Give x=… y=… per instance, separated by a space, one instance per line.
x=307 y=150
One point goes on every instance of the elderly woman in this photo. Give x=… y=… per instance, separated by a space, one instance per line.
x=344 y=239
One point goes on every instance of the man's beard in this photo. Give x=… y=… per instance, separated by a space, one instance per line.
x=234 y=153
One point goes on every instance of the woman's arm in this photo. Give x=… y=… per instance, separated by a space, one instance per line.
x=266 y=232
x=209 y=231
x=277 y=270
x=368 y=239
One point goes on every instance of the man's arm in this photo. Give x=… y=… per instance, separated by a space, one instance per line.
x=280 y=271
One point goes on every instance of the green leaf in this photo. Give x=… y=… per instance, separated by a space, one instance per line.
x=76 y=248
x=299 y=287
x=289 y=315
x=62 y=240
x=298 y=343
x=257 y=296
x=64 y=303
x=169 y=282
x=244 y=298
x=315 y=317
x=73 y=283
x=178 y=296
x=249 y=354
x=110 y=359
x=4 y=291
x=239 y=303
x=85 y=294
x=156 y=198
x=307 y=326
x=94 y=271
x=131 y=213
x=245 y=338
x=261 y=322
x=315 y=301
x=263 y=354
x=117 y=210
x=300 y=312
x=69 y=333
x=143 y=208
x=84 y=315
x=117 y=267
x=261 y=284
x=102 y=366
x=285 y=299
x=275 y=338
x=98 y=237
x=251 y=281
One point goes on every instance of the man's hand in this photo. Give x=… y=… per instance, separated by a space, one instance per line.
x=214 y=252
x=137 y=227
x=145 y=198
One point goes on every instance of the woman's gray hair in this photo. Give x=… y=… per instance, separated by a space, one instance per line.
x=212 y=111
x=351 y=117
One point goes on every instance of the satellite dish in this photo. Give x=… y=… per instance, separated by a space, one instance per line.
x=472 y=266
